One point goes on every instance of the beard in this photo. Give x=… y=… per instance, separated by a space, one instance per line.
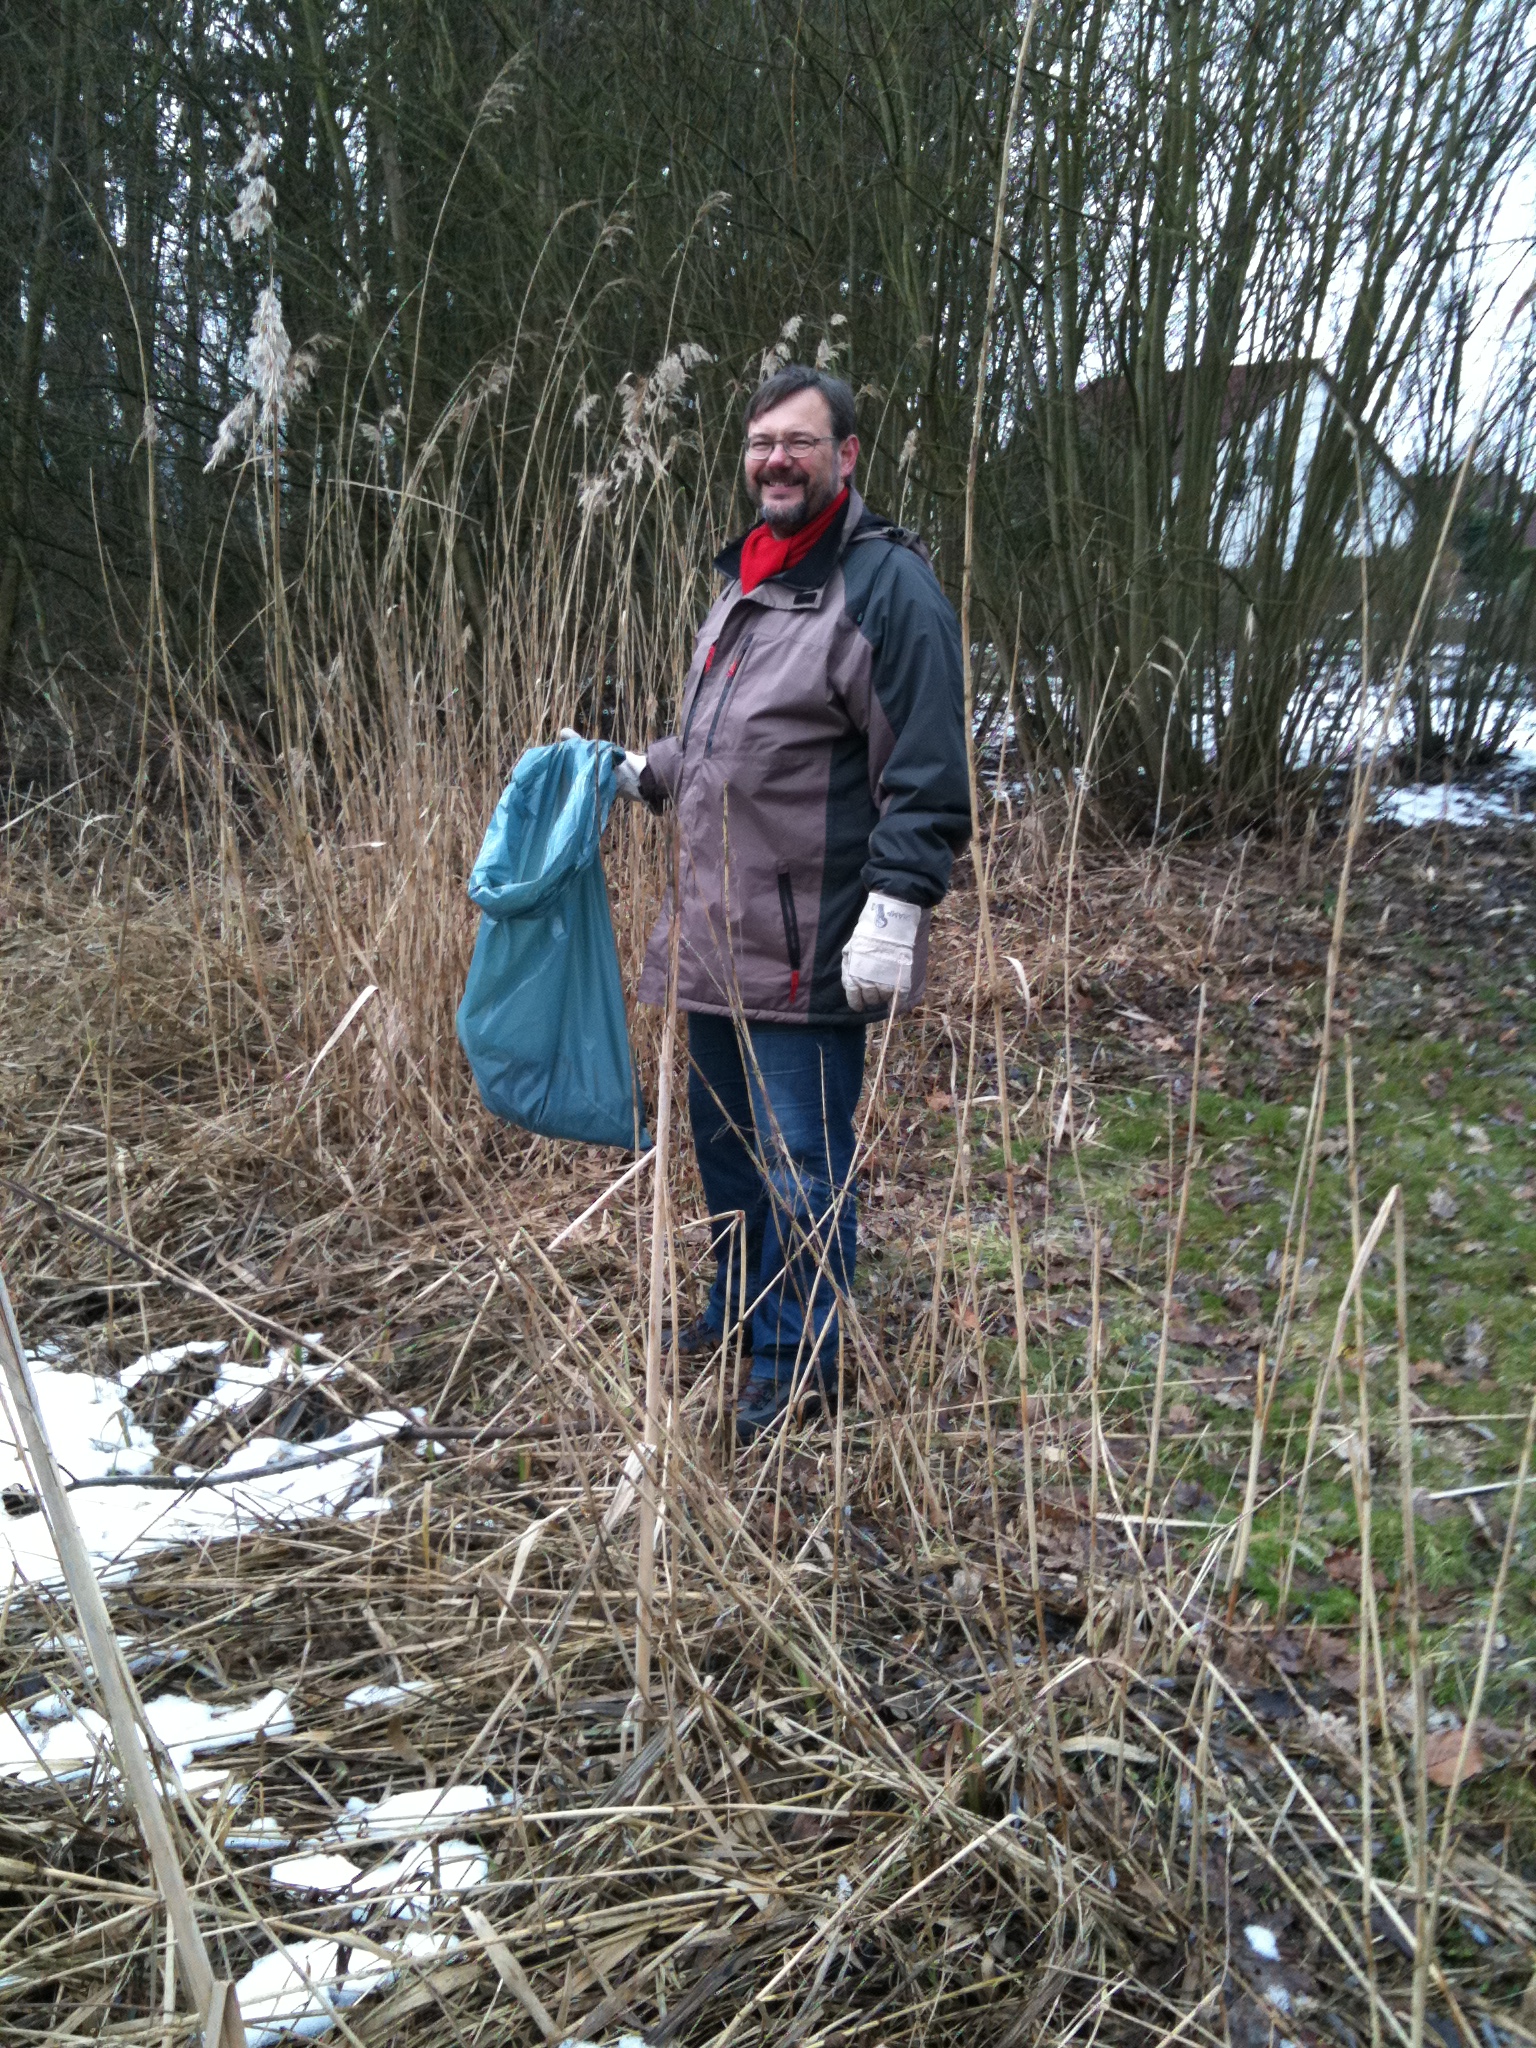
x=782 y=521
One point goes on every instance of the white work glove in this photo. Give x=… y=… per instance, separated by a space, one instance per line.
x=877 y=960
x=626 y=774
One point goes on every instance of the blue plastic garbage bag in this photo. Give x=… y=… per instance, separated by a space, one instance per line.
x=542 y=1021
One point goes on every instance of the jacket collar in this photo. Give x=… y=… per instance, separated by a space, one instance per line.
x=804 y=583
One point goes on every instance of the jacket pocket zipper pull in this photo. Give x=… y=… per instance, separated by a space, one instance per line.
x=791 y=932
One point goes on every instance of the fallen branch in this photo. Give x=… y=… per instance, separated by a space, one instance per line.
x=411 y=1433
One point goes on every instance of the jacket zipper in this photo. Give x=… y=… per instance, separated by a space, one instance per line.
x=709 y=662
x=791 y=930
x=725 y=690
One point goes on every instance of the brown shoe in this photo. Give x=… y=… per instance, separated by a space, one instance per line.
x=698 y=1339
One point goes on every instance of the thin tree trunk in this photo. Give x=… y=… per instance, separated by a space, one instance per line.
x=29 y=370
x=192 y=484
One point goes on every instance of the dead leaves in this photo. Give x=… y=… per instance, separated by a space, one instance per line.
x=966 y=1587
x=1444 y=1764
x=1423 y=1369
x=1199 y=1336
x=1229 y=1384
x=1345 y=1567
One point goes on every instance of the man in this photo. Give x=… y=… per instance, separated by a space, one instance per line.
x=820 y=783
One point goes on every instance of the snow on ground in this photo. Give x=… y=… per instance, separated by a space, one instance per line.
x=1449 y=803
x=385 y=1695
x=404 y=1814
x=91 y=1425
x=153 y=1363
x=293 y=1992
x=1503 y=795
x=296 y=1991
x=55 y=1739
x=88 y=1422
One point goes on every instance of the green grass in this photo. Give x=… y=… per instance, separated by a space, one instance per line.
x=1447 y=1118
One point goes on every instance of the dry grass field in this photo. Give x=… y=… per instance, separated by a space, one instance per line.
x=1109 y=1704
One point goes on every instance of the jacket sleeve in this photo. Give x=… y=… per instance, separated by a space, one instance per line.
x=917 y=754
x=658 y=778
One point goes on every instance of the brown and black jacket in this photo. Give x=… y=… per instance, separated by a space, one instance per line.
x=820 y=755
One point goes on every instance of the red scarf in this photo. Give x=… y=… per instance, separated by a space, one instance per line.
x=763 y=554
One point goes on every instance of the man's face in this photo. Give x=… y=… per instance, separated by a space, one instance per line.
x=789 y=489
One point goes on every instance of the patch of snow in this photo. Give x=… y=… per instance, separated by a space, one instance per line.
x=1263 y=1943
x=405 y=1814
x=154 y=1363
x=413 y=1884
x=370 y=1505
x=33 y=1750
x=314 y=1871
x=186 y=1725
x=1447 y=803
x=122 y=1523
x=61 y=1741
x=88 y=1424
x=242 y=1381
x=50 y=1707
x=208 y=1782
x=386 y=1695
x=296 y=1992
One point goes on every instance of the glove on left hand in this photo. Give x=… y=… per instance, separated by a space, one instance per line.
x=626 y=774
x=877 y=960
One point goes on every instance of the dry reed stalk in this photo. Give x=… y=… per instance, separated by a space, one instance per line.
x=1328 y=1375
x=1418 y=1839
x=661 y=1246
x=1171 y=1267
x=1250 y=1494
x=603 y=1201
x=211 y=1996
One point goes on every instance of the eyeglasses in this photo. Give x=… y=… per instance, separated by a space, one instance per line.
x=796 y=446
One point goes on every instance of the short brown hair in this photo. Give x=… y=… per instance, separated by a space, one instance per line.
x=801 y=377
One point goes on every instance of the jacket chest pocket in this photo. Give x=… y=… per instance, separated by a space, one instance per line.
x=695 y=691
x=734 y=667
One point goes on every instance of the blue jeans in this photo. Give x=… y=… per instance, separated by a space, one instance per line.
x=773 y=1129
